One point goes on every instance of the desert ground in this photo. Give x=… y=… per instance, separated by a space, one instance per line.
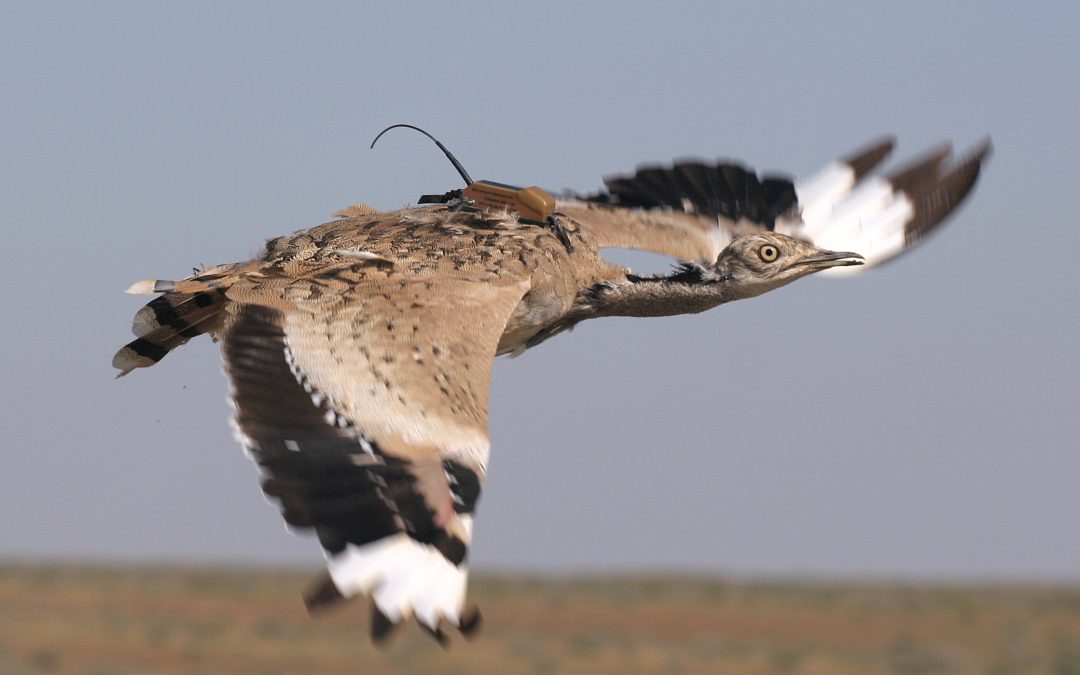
x=128 y=619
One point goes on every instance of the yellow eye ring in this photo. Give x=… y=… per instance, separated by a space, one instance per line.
x=768 y=253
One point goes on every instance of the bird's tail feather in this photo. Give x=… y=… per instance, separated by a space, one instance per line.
x=185 y=309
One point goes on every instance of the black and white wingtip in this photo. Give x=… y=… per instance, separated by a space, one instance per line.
x=821 y=192
x=845 y=207
x=935 y=200
x=865 y=159
x=404 y=579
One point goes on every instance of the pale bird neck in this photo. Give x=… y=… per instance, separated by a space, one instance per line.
x=691 y=290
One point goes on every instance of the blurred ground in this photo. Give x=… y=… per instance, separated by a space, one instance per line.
x=99 y=619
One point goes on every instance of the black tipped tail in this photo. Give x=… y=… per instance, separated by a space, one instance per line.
x=167 y=322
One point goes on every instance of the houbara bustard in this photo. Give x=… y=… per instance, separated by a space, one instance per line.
x=360 y=351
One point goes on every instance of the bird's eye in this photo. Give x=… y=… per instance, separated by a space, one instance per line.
x=768 y=253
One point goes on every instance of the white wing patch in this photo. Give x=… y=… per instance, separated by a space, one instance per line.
x=817 y=194
x=869 y=220
x=879 y=216
x=404 y=577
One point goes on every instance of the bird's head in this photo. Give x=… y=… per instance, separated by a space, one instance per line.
x=760 y=262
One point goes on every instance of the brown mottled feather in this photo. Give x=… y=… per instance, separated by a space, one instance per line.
x=407 y=360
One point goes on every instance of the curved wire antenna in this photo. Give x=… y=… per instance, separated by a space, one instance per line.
x=449 y=155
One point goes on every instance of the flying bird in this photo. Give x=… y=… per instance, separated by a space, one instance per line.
x=359 y=351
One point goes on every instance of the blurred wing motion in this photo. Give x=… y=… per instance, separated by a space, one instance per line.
x=692 y=209
x=371 y=435
x=362 y=394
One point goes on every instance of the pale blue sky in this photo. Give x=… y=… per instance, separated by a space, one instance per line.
x=919 y=420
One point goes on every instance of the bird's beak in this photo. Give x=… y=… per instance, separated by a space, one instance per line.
x=826 y=259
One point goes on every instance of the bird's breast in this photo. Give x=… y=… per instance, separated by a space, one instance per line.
x=538 y=309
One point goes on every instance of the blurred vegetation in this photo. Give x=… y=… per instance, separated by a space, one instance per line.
x=99 y=619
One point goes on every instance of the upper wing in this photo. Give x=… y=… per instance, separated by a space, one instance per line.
x=364 y=402
x=693 y=209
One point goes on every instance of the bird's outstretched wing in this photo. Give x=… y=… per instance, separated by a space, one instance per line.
x=692 y=209
x=363 y=397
